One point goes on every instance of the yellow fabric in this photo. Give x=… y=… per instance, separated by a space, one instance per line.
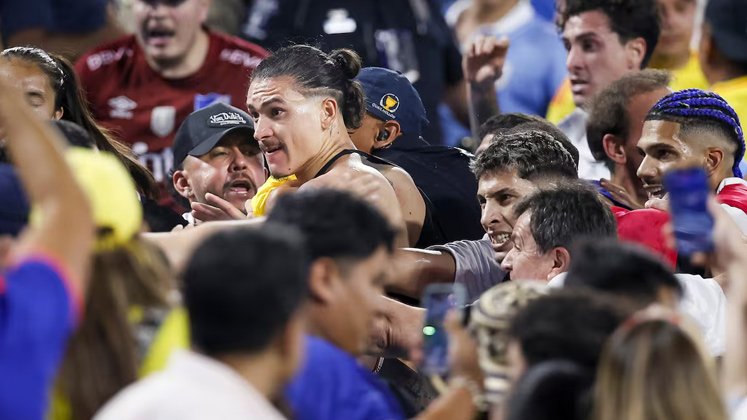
x=111 y=193
x=172 y=335
x=259 y=201
x=690 y=76
x=562 y=103
x=735 y=93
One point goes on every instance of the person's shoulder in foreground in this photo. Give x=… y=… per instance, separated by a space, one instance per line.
x=332 y=385
x=192 y=387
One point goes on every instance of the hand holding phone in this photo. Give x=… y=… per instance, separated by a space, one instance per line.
x=688 y=192
x=438 y=299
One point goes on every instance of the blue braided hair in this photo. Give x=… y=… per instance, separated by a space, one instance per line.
x=694 y=105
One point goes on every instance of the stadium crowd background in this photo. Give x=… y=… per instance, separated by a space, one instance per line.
x=232 y=209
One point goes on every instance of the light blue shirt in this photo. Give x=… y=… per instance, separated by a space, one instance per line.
x=535 y=63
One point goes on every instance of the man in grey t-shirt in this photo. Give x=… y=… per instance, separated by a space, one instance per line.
x=512 y=167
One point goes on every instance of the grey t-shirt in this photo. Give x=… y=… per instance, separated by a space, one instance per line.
x=476 y=267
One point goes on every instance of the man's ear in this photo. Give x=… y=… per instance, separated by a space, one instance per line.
x=613 y=148
x=323 y=280
x=635 y=50
x=388 y=133
x=561 y=262
x=713 y=159
x=204 y=8
x=328 y=112
x=181 y=184
x=59 y=113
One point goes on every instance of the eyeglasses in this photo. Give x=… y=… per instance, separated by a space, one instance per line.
x=168 y=3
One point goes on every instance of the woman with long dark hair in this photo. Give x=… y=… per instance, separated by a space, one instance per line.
x=53 y=91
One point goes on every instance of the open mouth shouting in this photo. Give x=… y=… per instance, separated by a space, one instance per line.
x=239 y=190
x=654 y=190
x=158 y=36
x=501 y=242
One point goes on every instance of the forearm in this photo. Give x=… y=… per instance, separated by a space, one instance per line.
x=417 y=268
x=456 y=403
x=178 y=245
x=483 y=104
x=65 y=229
x=734 y=371
x=37 y=151
x=456 y=98
x=397 y=331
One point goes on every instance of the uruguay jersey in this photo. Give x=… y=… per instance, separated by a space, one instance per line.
x=145 y=109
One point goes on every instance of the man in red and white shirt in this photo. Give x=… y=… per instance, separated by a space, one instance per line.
x=698 y=127
x=144 y=85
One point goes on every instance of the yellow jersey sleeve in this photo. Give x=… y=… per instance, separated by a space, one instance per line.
x=172 y=335
x=259 y=201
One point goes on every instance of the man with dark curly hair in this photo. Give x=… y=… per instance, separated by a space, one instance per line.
x=605 y=39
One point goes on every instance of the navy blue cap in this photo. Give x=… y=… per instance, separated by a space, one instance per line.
x=203 y=129
x=14 y=206
x=390 y=96
x=728 y=25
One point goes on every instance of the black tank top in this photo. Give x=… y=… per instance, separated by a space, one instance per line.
x=431 y=233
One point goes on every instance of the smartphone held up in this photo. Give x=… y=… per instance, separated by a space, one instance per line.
x=438 y=300
x=688 y=191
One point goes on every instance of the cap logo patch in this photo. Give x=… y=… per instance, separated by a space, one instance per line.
x=226 y=118
x=389 y=102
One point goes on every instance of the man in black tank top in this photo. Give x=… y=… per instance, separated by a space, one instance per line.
x=394 y=111
x=430 y=232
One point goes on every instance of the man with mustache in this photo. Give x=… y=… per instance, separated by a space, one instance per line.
x=217 y=163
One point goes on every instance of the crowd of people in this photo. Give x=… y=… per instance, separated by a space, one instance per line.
x=203 y=218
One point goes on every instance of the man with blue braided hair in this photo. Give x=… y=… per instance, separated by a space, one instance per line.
x=699 y=127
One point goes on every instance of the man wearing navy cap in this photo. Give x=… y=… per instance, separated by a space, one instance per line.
x=394 y=112
x=217 y=163
x=723 y=52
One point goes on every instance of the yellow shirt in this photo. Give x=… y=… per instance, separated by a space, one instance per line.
x=735 y=93
x=562 y=103
x=690 y=76
x=687 y=77
x=259 y=201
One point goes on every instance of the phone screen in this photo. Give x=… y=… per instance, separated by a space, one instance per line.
x=438 y=299
x=688 y=197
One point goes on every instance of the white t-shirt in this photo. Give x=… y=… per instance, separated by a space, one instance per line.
x=574 y=126
x=703 y=300
x=193 y=386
